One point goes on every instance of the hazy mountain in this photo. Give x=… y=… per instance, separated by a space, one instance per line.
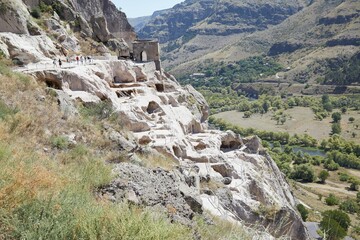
x=139 y=22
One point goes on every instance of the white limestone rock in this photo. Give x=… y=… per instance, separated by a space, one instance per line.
x=27 y=49
x=249 y=187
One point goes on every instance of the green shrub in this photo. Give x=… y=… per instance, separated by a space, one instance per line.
x=323 y=175
x=336 y=116
x=304 y=173
x=335 y=128
x=99 y=110
x=3 y=8
x=343 y=177
x=45 y=8
x=354 y=185
x=303 y=212
x=350 y=206
x=332 y=200
x=335 y=224
x=5 y=110
x=60 y=142
x=332 y=229
x=35 y=12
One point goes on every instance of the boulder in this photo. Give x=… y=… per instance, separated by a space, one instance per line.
x=118 y=45
x=14 y=17
x=28 y=49
x=253 y=145
x=99 y=27
x=153 y=188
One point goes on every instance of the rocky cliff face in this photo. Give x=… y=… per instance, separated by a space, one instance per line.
x=116 y=21
x=210 y=171
x=98 y=19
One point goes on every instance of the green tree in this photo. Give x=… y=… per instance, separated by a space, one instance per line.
x=335 y=128
x=303 y=173
x=303 y=212
x=354 y=185
x=335 y=224
x=343 y=110
x=323 y=175
x=283 y=120
x=247 y=114
x=351 y=119
x=332 y=229
x=336 y=116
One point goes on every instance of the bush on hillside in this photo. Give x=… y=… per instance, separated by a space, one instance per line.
x=350 y=206
x=335 y=224
x=331 y=200
x=303 y=211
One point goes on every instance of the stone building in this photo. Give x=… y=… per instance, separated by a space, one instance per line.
x=146 y=51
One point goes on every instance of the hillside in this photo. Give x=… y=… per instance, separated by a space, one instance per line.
x=104 y=148
x=305 y=37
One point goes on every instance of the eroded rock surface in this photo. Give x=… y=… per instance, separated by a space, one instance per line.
x=219 y=172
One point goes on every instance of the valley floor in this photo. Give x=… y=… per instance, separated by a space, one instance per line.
x=300 y=120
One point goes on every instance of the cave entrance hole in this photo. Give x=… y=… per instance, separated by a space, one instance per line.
x=152 y=107
x=160 y=87
x=53 y=84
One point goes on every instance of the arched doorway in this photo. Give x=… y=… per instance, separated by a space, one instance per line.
x=143 y=56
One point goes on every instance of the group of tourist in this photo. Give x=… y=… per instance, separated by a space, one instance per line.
x=80 y=60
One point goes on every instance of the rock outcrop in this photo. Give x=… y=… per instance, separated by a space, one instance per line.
x=14 y=17
x=106 y=15
x=98 y=19
x=25 y=49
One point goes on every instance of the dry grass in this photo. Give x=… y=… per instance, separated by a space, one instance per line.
x=154 y=160
x=223 y=230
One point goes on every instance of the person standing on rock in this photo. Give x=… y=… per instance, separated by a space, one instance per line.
x=60 y=62
x=77 y=60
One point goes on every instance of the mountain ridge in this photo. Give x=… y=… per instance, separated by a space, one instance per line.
x=293 y=39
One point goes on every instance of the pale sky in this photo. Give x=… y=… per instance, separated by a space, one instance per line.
x=140 y=8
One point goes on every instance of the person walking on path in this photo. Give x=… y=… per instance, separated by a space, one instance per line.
x=54 y=63
x=60 y=62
